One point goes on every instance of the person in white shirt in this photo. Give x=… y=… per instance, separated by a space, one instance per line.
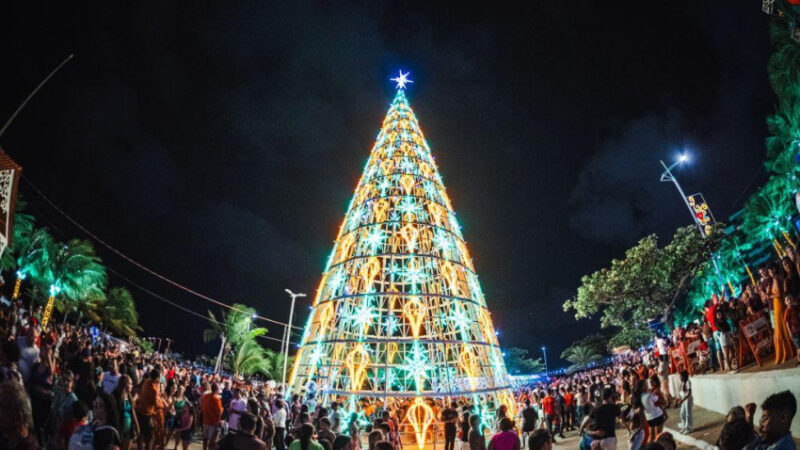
x=237 y=408
x=110 y=379
x=28 y=354
x=280 y=425
x=686 y=402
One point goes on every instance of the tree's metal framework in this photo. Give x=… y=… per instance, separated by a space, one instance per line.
x=399 y=311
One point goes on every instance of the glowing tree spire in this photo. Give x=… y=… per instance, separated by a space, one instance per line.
x=399 y=311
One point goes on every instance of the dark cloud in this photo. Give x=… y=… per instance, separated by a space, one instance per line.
x=617 y=197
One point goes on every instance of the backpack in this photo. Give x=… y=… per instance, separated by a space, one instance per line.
x=82 y=438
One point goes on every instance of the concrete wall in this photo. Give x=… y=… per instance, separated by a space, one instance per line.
x=722 y=392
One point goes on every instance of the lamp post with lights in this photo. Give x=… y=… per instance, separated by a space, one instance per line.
x=668 y=176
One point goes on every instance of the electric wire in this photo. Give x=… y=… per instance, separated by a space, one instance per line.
x=142 y=266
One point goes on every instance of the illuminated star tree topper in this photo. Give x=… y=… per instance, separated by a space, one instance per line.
x=402 y=79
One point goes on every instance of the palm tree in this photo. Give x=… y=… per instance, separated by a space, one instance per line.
x=767 y=212
x=235 y=328
x=22 y=236
x=74 y=271
x=32 y=257
x=581 y=356
x=119 y=312
x=250 y=357
x=276 y=362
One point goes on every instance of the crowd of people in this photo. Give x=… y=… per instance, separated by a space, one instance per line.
x=774 y=295
x=69 y=387
x=629 y=401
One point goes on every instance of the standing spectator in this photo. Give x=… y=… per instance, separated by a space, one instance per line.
x=792 y=319
x=110 y=378
x=686 y=402
x=476 y=439
x=238 y=406
x=449 y=417
x=147 y=406
x=335 y=418
x=464 y=435
x=605 y=419
x=211 y=406
x=506 y=439
x=124 y=404
x=549 y=410
x=280 y=418
x=244 y=439
x=782 y=340
x=529 y=420
x=325 y=430
x=184 y=428
x=105 y=434
x=654 y=407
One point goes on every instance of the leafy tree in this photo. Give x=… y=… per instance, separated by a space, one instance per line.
x=646 y=284
x=581 y=356
x=518 y=363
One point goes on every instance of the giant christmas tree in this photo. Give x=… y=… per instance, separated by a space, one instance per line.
x=399 y=312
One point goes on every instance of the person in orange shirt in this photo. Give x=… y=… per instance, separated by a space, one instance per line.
x=211 y=407
x=148 y=405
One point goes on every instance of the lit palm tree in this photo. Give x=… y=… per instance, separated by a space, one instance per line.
x=32 y=257
x=74 y=272
x=767 y=212
x=581 y=356
x=22 y=238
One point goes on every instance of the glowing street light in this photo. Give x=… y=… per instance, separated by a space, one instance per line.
x=668 y=176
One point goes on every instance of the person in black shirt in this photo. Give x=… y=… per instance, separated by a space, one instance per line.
x=529 y=419
x=465 y=428
x=605 y=421
x=449 y=417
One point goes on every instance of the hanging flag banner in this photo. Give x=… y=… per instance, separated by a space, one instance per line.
x=702 y=213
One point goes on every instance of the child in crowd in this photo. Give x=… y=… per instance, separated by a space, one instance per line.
x=685 y=402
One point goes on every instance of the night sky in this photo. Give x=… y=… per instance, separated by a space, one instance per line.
x=219 y=143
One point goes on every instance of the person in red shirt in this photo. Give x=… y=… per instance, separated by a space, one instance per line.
x=569 y=404
x=792 y=319
x=549 y=410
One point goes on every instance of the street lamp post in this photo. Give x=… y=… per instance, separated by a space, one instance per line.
x=668 y=176
x=287 y=334
x=544 y=352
